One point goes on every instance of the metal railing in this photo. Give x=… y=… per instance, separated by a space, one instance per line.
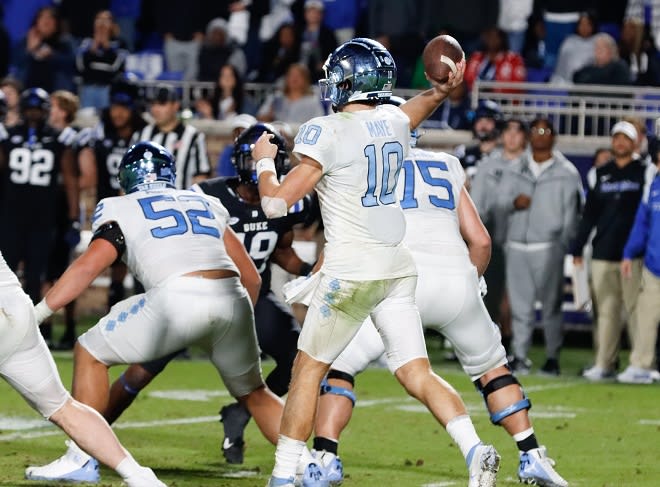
x=578 y=110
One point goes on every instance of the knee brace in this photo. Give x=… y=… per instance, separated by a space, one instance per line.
x=499 y=383
x=326 y=388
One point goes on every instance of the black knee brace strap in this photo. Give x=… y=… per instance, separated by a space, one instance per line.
x=338 y=374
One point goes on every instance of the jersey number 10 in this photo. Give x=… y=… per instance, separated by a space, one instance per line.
x=387 y=167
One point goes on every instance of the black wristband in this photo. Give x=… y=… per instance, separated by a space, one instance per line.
x=305 y=269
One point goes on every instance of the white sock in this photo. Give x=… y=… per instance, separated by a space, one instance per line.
x=462 y=432
x=523 y=434
x=128 y=467
x=287 y=456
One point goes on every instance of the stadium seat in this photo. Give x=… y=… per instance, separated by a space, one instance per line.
x=146 y=64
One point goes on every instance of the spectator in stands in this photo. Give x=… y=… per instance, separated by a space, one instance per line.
x=485 y=187
x=543 y=196
x=534 y=48
x=513 y=21
x=637 y=49
x=224 y=167
x=644 y=240
x=560 y=18
x=607 y=68
x=99 y=60
x=610 y=209
x=219 y=50
x=296 y=102
x=185 y=142
x=278 y=54
x=228 y=97
x=495 y=62
x=46 y=58
x=454 y=113
x=182 y=26
x=637 y=9
x=317 y=40
x=63 y=108
x=485 y=128
x=577 y=50
x=11 y=88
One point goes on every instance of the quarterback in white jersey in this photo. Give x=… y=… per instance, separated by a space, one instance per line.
x=352 y=159
x=451 y=249
x=179 y=245
x=26 y=363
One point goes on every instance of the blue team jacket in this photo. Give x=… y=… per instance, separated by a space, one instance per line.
x=644 y=237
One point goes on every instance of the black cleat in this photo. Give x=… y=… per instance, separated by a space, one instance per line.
x=234 y=419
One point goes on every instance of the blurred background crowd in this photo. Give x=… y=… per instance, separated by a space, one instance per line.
x=123 y=62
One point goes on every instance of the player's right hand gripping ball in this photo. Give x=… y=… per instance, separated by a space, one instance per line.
x=440 y=57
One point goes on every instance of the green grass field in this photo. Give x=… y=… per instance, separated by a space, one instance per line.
x=599 y=434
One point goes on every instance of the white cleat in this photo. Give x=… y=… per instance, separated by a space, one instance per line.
x=484 y=462
x=536 y=468
x=74 y=466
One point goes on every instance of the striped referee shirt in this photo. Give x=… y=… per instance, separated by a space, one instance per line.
x=188 y=146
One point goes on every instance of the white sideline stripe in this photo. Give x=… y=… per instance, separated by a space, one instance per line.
x=126 y=425
x=653 y=422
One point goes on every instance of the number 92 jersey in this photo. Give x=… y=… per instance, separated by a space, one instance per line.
x=361 y=154
x=259 y=235
x=33 y=160
x=168 y=232
x=429 y=190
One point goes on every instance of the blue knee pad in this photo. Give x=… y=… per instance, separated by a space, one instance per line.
x=339 y=391
x=499 y=383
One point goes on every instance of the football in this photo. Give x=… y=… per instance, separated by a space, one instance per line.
x=440 y=57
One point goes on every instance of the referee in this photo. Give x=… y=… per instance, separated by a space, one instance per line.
x=184 y=141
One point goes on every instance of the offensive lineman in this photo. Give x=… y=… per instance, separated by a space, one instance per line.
x=440 y=220
x=179 y=245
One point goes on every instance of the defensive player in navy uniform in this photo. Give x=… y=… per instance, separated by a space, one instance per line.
x=266 y=241
x=102 y=148
x=34 y=156
x=178 y=243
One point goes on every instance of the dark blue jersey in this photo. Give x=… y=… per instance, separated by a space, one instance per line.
x=259 y=234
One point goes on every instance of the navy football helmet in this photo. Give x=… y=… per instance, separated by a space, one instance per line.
x=35 y=98
x=241 y=156
x=360 y=69
x=144 y=164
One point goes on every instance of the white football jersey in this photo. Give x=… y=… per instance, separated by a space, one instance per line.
x=7 y=277
x=361 y=153
x=429 y=190
x=168 y=232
